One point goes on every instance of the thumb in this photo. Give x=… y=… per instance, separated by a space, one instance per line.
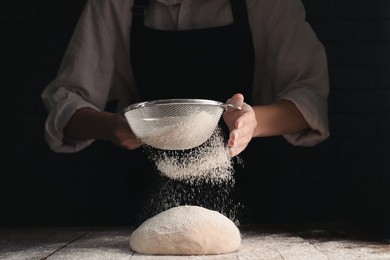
x=236 y=99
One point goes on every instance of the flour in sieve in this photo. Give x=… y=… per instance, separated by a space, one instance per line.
x=181 y=133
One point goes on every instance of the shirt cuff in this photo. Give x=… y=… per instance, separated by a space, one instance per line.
x=315 y=111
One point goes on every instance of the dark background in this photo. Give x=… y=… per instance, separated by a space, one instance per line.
x=344 y=179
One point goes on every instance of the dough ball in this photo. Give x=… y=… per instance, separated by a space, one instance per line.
x=186 y=230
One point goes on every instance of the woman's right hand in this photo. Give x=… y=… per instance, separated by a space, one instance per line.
x=118 y=132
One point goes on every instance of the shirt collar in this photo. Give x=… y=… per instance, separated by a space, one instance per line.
x=171 y=2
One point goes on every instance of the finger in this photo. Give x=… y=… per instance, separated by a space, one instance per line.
x=234 y=151
x=131 y=145
x=233 y=138
x=237 y=99
x=238 y=141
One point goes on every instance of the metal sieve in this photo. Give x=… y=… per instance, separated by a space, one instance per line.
x=175 y=124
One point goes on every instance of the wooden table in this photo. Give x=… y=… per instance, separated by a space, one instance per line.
x=276 y=242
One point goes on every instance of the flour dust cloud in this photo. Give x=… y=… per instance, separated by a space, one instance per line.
x=201 y=176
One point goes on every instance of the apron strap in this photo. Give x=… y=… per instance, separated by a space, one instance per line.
x=240 y=12
x=139 y=10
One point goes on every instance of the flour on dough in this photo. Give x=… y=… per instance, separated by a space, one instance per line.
x=186 y=230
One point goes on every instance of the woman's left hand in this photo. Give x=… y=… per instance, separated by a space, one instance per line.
x=241 y=123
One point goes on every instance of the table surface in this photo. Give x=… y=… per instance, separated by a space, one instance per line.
x=260 y=242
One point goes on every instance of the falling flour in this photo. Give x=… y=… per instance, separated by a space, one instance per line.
x=201 y=176
x=210 y=161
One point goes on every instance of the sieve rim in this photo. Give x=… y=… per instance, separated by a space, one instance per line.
x=175 y=101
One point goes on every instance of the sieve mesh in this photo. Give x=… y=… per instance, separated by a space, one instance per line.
x=174 y=124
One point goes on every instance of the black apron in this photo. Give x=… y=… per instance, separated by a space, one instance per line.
x=211 y=63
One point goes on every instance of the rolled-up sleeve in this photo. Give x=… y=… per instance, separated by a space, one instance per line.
x=60 y=112
x=295 y=68
x=86 y=74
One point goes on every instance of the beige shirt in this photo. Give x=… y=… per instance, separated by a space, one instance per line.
x=290 y=62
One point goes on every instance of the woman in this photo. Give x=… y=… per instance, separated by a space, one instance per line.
x=260 y=50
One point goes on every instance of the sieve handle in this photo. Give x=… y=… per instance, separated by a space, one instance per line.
x=226 y=105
